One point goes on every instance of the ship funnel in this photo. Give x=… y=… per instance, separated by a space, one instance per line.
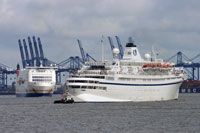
x=130 y=43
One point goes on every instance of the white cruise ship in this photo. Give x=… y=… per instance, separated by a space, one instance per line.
x=129 y=79
x=35 y=81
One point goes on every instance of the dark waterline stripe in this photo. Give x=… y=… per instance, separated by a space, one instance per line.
x=33 y=94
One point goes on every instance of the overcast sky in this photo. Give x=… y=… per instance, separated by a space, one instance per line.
x=169 y=25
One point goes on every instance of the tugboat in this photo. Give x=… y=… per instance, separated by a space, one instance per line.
x=66 y=98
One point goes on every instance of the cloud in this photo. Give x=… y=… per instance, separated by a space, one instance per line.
x=171 y=26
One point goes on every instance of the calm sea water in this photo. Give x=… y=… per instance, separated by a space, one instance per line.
x=40 y=115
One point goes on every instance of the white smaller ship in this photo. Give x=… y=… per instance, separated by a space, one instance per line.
x=35 y=81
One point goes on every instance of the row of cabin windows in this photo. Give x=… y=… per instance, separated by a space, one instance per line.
x=82 y=81
x=110 y=78
x=88 y=87
x=99 y=77
x=41 y=77
x=133 y=79
x=42 y=80
x=86 y=76
x=41 y=71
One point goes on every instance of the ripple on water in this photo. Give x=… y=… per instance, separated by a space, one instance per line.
x=41 y=115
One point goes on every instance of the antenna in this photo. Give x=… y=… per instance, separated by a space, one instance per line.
x=153 y=54
x=102 y=43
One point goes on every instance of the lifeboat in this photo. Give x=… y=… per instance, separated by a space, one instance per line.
x=159 y=65
x=145 y=65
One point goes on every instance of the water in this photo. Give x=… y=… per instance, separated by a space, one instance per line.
x=40 y=115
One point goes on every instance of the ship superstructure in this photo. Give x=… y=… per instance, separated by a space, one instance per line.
x=129 y=79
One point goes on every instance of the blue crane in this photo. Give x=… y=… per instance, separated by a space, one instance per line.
x=195 y=57
x=184 y=61
x=26 y=53
x=111 y=44
x=180 y=57
x=85 y=56
x=3 y=77
x=169 y=59
x=4 y=71
x=45 y=62
x=22 y=54
x=72 y=64
x=31 y=51
x=36 y=52
x=121 y=51
x=40 y=48
x=88 y=57
x=35 y=56
x=81 y=50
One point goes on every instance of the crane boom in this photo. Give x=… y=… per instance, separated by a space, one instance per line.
x=111 y=43
x=36 y=52
x=26 y=52
x=121 y=51
x=81 y=50
x=22 y=53
x=88 y=57
x=41 y=49
x=31 y=51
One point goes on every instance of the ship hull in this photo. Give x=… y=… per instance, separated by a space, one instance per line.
x=36 y=90
x=119 y=92
x=190 y=86
x=189 y=90
x=35 y=82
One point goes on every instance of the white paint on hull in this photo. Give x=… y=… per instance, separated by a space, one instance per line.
x=116 y=93
x=128 y=79
x=36 y=80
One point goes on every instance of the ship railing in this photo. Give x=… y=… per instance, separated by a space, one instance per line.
x=99 y=63
x=95 y=73
x=144 y=73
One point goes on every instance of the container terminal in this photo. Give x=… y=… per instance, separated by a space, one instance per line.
x=32 y=54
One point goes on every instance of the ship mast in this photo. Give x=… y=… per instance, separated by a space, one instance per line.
x=153 y=54
x=102 y=43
